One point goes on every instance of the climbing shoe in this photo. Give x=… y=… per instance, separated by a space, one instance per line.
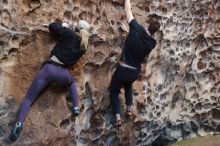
x=16 y=131
x=128 y=114
x=75 y=111
x=117 y=124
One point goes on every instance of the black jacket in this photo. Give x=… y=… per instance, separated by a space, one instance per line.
x=67 y=49
x=137 y=46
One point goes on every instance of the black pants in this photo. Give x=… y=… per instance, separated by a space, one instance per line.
x=122 y=77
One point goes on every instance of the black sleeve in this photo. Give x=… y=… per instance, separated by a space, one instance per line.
x=56 y=28
x=134 y=25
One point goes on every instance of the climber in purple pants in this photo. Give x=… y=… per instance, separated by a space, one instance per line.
x=49 y=73
x=70 y=47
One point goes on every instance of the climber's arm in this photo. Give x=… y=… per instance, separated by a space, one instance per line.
x=56 y=28
x=128 y=11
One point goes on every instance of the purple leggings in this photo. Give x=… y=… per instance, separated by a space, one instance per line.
x=48 y=73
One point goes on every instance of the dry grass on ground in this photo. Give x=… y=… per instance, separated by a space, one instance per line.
x=201 y=141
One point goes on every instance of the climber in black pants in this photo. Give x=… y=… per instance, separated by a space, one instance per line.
x=137 y=46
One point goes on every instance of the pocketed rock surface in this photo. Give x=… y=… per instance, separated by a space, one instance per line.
x=176 y=97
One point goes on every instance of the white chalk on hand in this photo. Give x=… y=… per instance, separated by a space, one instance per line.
x=64 y=24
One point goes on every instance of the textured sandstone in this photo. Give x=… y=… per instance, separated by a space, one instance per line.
x=178 y=93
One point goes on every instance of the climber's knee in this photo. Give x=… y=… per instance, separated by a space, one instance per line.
x=72 y=81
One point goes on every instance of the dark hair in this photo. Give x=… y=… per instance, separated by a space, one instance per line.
x=153 y=27
x=58 y=20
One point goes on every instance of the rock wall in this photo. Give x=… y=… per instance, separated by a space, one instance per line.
x=176 y=97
